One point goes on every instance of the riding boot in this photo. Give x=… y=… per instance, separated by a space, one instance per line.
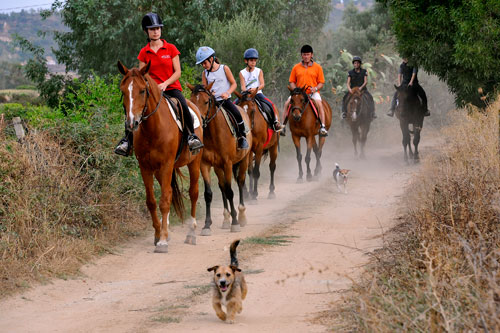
x=277 y=127
x=124 y=147
x=242 y=140
x=283 y=127
x=426 y=110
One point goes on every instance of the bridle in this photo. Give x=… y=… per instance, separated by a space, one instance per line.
x=211 y=101
x=246 y=97
x=145 y=117
x=302 y=109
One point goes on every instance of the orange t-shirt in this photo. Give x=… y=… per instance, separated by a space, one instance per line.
x=307 y=76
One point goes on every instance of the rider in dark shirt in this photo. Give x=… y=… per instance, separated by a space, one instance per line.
x=357 y=77
x=408 y=76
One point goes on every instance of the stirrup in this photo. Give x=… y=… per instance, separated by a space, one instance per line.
x=283 y=131
x=277 y=127
x=242 y=143
x=194 y=144
x=427 y=113
x=344 y=115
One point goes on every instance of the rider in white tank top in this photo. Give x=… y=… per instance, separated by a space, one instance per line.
x=251 y=78
x=221 y=84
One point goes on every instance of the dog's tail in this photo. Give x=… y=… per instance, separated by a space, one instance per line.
x=337 y=166
x=232 y=252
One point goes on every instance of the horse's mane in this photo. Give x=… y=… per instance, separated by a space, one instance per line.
x=299 y=91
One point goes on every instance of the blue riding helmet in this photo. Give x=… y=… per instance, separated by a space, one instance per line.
x=203 y=54
x=251 y=54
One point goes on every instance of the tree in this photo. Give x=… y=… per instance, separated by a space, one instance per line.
x=457 y=40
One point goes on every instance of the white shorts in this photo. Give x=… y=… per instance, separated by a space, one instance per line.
x=315 y=96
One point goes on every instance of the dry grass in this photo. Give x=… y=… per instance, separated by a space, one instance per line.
x=441 y=269
x=51 y=217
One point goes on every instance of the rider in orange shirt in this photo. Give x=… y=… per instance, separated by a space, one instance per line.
x=308 y=73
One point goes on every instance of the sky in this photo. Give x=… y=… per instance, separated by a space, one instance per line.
x=7 y=6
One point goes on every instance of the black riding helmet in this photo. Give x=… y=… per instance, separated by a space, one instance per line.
x=306 y=49
x=151 y=20
x=356 y=58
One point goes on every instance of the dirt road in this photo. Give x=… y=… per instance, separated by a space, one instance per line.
x=136 y=290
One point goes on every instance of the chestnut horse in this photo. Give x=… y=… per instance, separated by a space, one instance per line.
x=359 y=118
x=304 y=123
x=220 y=152
x=409 y=111
x=156 y=143
x=261 y=143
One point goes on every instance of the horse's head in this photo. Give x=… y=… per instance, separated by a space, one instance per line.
x=202 y=97
x=247 y=100
x=354 y=103
x=136 y=87
x=406 y=97
x=298 y=102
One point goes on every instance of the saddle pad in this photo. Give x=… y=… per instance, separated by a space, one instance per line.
x=196 y=120
x=230 y=122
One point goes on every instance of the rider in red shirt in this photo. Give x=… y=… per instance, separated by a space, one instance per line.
x=165 y=69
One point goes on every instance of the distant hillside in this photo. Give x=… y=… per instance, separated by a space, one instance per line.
x=26 y=24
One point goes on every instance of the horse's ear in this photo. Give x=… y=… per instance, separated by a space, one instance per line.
x=289 y=88
x=190 y=86
x=238 y=94
x=145 y=69
x=122 y=68
x=304 y=88
x=209 y=86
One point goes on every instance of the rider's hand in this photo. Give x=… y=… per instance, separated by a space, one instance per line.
x=225 y=95
x=163 y=86
x=410 y=84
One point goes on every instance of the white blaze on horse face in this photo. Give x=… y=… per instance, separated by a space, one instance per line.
x=131 y=101
x=246 y=108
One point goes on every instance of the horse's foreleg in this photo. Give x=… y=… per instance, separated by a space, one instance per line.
x=205 y=172
x=256 y=173
x=164 y=177
x=250 y=179
x=355 y=134
x=273 y=155
x=364 y=135
x=296 y=142
x=310 y=142
x=194 y=175
x=242 y=219
x=221 y=178
x=147 y=178
x=318 y=151
x=406 y=138
x=416 y=141
x=230 y=196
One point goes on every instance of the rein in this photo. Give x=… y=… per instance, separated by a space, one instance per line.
x=211 y=100
x=143 y=116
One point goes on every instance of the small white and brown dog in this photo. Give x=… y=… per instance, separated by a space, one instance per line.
x=340 y=176
x=229 y=287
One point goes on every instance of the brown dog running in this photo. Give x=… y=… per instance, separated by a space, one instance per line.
x=229 y=287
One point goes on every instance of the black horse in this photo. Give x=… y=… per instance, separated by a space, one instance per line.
x=409 y=110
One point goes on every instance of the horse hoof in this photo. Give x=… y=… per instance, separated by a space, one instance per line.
x=271 y=195
x=226 y=225
x=161 y=248
x=235 y=228
x=206 y=232
x=300 y=180
x=157 y=239
x=309 y=178
x=190 y=239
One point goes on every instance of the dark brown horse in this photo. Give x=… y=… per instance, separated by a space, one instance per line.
x=220 y=152
x=304 y=123
x=409 y=111
x=156 y=143
x=359 y=118
x=264 y=141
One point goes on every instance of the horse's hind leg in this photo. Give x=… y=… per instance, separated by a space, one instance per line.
x=248 y=193
x=363 y=136
x=226 y=223
x=310 y=142
x=205 y=172
x=273 y=154
x=416 y=141
x=256 y=174
x=318 y=151
x=406 y=138
x=147 y=178
x=296 y=142
x=235 y=226
x=194 y=175
x=355 y=135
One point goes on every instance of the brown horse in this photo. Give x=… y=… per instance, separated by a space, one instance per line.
x=304 y=123
x=409 y=111
x=157 y=140
x=261 y=143
x=359 y=118
x=221 y=153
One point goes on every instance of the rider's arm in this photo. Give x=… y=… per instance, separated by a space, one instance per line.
x=204 y=79
x=412 y=78
x=349 y=84
x=242 y=82
x=231 y=80
x=365 y=82
x=261 y=80
x=176 y=64
x=317 y=88
x=400 y=77
x=293 y=85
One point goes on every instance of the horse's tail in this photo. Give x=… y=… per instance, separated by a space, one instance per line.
x=177 y=196
x=232 y=252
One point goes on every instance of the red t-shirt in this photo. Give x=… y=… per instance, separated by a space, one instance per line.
x=162 y=66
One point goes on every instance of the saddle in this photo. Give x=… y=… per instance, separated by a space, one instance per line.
x=231 y=122
x=175 y=109
x=266 y=110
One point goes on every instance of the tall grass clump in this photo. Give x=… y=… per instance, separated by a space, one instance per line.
x=441 y=269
